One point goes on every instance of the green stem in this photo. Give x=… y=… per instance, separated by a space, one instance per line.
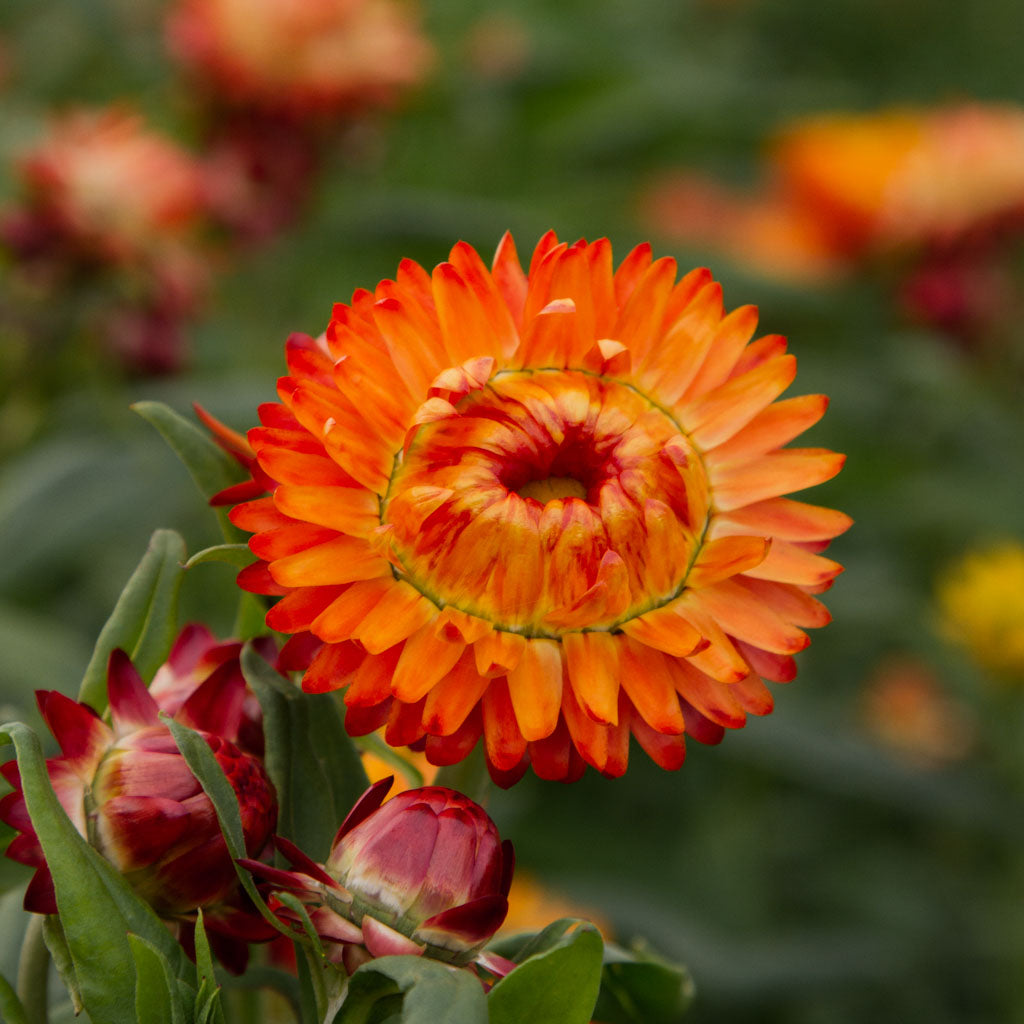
x=469 y=776
x=34 y=971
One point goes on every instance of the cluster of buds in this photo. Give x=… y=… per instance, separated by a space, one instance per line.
x=424 y=874
x=129 y=791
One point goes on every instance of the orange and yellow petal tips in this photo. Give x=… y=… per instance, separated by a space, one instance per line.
x=545 y=507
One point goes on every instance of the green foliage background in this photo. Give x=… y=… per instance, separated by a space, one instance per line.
x=804 y=873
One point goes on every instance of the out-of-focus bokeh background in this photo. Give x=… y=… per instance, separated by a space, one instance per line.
x=183 y=184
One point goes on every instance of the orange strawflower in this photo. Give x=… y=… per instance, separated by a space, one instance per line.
x=314 y=56
x=545 y=508
x=841 y=187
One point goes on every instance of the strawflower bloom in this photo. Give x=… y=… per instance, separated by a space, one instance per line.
x=319 y=56
x=128 y=791
x=544 y=508
x=981 y=607
x=423 y=874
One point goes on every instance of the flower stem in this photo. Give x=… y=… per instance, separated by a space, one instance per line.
x=468 y=777
x=34 y=971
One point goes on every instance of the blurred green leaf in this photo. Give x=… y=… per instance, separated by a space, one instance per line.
x=11 y=1009
x=210 y=467
x=558 y=985
x=311 y=760
x=97 y=906
x=144 y=621
x=158 y=998
x=413 y=990
x=638 y=987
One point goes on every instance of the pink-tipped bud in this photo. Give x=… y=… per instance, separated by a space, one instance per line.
x=428 y=865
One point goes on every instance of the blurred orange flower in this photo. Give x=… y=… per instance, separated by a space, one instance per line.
x=843 y=186
x=906 y=708
x=544 y=508
x=316 y=56
x=532 y=907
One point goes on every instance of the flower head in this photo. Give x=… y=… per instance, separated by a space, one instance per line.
x=544 y=508
x=320 y=55
x=981 y=604
x=129 y=791
x=423 y=874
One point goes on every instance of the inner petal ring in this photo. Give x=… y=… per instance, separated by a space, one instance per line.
x=554 y=500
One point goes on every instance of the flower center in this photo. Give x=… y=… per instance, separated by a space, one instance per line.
x=555 y=500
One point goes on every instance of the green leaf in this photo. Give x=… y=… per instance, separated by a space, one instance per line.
x=57 y=944
x=208 y=1007
x=144 y=621
x=639 y=987
x=210 y=466
x=413 y=990
x=310 y=758
x=11 y=1009
x=233 y=554
x=97 y=906
x=557 y=986
x=211 y=777
x=157 y=994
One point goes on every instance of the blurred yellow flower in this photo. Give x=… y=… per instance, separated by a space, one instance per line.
x=532 y=906
x=981 y=599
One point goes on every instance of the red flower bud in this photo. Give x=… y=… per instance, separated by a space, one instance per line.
x=424 y=873
x=130 y=793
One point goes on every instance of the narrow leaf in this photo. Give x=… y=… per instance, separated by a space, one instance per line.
x=431 y=993
x=210 y=467
x=557 y=986
x=144 y=620
x=208 y=1004
x=157 y=998
x=311 y=760
x=57 y=944
x=233 y=554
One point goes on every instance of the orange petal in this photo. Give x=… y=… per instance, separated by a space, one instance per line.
x=719 y=659
x=284 y=541
x=344 y=614
x=509 y=277
x=453 y=624
x=667 y=751
x=290 y=467
x=342 y=560
x=426 y=658
x=772 y=475
x=371 y=682
x=731 y=337
x=535 y=688
x=592 y=662
x=719 y=414
x=297 y=610
x=753 y=695
x=550 y=336
x=488 y=296
x=789 y=601
x=254 y=516
x=352 y=510
x=666 y=630
x=465 y=327
x=397 y=615
x=771 y=428
x=745 y=617
x=332 y=667
x=785 y=519
x=498 y=652
x=453 y=697
x=713 y=700
x=504 y=742
x=646 y=681
x=790 y=563
x=725 y=557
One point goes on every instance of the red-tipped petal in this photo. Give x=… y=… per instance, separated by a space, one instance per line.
x=364 y=807
x=131 y=706
x=468 y=925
